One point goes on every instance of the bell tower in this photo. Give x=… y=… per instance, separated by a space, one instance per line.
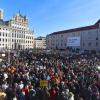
x=1 y=14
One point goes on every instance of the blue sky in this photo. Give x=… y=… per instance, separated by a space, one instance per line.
x=47 y=16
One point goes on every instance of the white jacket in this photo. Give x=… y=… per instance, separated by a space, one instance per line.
x=71 y=97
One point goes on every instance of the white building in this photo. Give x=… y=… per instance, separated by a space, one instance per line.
x=15 y=33
x=40 y=42
x=84 y=38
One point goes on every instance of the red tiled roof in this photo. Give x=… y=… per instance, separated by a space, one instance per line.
x=95 y=26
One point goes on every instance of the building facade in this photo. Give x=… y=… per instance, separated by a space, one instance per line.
x=40 y=42
x=15 y=33
x=89 y=38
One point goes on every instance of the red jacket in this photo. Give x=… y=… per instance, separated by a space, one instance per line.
x=26 y=91
x=52 y=94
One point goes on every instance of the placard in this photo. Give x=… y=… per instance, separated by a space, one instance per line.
x=43 y=83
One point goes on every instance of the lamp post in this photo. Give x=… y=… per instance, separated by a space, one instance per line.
x=9 y=56
x=3 y=55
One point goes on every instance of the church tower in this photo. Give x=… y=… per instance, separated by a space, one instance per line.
x=1 y=14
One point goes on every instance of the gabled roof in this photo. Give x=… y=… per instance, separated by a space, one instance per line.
x=95 y=26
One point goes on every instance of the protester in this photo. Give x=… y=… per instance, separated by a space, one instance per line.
x=2 y=95
x=74 y=77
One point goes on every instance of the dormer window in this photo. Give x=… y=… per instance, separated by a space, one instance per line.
x=96 y=38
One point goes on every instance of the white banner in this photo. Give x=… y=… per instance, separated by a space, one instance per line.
x=73 y=41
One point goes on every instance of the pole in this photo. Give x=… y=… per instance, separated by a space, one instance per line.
x=9 y=56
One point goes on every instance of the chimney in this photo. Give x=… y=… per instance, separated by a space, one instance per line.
x=1 y=14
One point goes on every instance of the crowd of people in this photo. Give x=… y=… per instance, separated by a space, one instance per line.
x=74 y=77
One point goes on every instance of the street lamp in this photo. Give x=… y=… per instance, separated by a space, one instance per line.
x=3 y=55
x=8 y=50
x=8 y=56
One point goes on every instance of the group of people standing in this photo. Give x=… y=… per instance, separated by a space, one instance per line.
x=74 y=77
